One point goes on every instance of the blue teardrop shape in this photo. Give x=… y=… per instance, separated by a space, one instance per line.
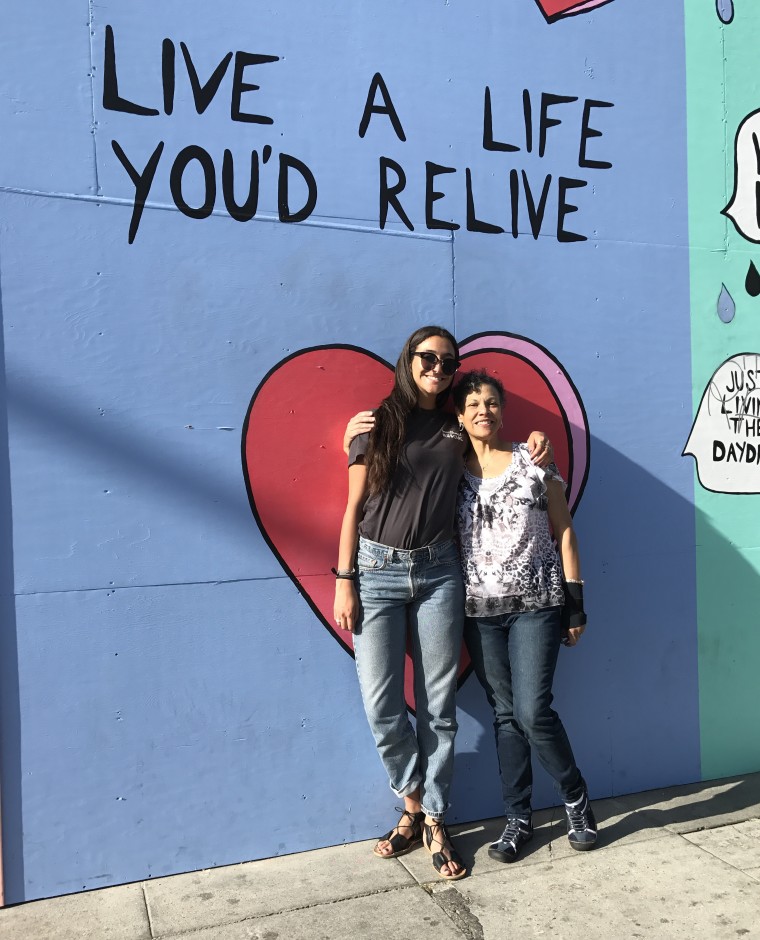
x=725 y=10
x=726 y=305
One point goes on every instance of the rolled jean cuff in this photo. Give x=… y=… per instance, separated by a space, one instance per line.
x=439 y=817
x=409 y=788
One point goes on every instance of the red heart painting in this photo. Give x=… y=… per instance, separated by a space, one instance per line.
x=554 y=9
x=295 y=469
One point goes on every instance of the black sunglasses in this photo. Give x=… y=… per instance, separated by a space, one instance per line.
x=430 y=361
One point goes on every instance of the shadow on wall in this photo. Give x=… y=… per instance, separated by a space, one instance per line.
x=10 y=717
x=68 y=421
x=628 y=695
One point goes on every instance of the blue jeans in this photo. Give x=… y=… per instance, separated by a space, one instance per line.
x=421 y=588
x=514 y=657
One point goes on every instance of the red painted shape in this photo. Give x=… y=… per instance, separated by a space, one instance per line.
x=295 y=468
x=554 y=9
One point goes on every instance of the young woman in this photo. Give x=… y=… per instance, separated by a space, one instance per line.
x=398 y=565
x=521 y=603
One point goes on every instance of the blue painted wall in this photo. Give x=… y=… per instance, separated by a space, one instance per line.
x=169 y=700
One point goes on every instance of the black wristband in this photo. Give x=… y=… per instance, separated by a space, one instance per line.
x=573 y=614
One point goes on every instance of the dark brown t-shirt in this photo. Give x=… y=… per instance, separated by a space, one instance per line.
x=418 y=507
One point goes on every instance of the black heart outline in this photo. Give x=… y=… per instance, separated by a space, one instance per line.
x=461 y=679
x=565 y=14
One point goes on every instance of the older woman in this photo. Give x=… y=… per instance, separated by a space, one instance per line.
x=522 y=601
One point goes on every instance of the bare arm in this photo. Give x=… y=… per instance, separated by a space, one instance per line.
x=564 y=533
x=540 y=447
x=346 y=601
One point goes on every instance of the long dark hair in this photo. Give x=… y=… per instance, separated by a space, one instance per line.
x=387 y=436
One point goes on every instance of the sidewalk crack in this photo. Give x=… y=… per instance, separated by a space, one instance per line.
x=147 y=912
x=456 y=906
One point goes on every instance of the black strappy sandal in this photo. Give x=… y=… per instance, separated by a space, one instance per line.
x=439 y=859
x=402 y=844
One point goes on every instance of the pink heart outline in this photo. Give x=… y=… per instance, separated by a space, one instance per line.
x=548 y=369
x=565 y=394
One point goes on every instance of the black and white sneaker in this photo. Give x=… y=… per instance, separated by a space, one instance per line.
x=581 y=824
x=516 y=833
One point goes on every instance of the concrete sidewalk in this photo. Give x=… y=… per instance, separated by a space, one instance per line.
x=677 y=863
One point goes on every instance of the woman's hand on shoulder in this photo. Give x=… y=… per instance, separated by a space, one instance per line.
x=540 y=449
x=346 y=607
x=361 y=423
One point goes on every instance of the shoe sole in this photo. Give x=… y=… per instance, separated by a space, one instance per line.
x=498 y=856
x=583 y=846
x=462 y=874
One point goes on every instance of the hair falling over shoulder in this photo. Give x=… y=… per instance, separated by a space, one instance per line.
x=387 y=437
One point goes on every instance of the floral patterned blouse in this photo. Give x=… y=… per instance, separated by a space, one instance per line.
x=509 y=559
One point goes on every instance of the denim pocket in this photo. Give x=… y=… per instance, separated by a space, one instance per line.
x=367 y=562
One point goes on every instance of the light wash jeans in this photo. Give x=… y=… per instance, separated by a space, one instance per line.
x=514 y=657
x=421 y=588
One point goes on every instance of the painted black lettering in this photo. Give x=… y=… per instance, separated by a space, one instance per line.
x=112 y=100
x=247 y=211
x=588 y=132
x=528 y=116
x=475 y=224
x=203 y=95
x=286 y=214
x=564 y=208
x=545 y=122
x=387 y=107
x=431 y=195
x=514 y=195
x=389 y=194
x=168 y=55
x=536 y=213
x=489 y=142
x=735 y=385
x=182 y=161
x=239 y=87
x=142 y=182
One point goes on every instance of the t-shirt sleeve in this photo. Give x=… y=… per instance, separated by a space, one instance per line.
x=358 y=448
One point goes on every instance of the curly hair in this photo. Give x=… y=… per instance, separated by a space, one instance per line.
x=473 y=381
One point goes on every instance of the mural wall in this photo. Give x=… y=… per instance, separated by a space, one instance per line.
x=217 y=227
x=724 y=244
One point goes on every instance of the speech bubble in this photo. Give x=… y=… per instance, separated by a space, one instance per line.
x=725 y=436
x=744 y=207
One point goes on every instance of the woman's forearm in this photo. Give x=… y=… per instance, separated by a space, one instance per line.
x=564 y=533
x=569 y=555
x=349 y=539
x=346 y=608
x=349 y=530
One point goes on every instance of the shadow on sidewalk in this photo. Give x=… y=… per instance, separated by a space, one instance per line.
x=705 y=805
x=689 y=808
